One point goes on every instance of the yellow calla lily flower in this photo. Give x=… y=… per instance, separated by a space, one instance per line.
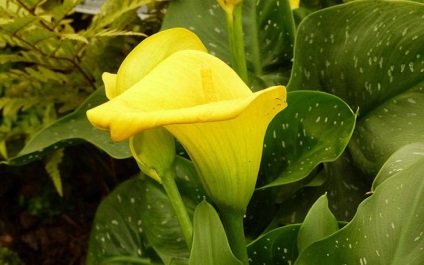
x=147 y=55
x=209 y=109
x=153 y=150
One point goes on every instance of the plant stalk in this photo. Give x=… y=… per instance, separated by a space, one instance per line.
x=177 y=203
x=234 y=228
x=236 y=42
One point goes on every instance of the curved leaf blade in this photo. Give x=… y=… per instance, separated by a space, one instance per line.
x=210 y=244
x=364 y=52
x=160 y=225
x=369 y=53
x=319 y=223
x=275 y=247
x=401 y=159
x=137 y=219
x=69 y=130
x=387 y=128
x=388 y=227
x=314 y=128
x=117 y=228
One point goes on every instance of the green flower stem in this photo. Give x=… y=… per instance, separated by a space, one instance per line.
x=236 y=42
x=177 y=203
x=234 y=227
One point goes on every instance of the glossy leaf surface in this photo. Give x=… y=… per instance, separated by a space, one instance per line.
x=319 y=223
x=370 y=54
x=275 y=247
x=210 y=244
x=70 y=130
x=314 y=128
x=387 y=228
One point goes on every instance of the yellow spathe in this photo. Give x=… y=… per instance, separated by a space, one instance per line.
x=147 y=55
x=208 y=108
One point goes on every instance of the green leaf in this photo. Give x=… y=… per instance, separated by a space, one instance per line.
x=160 y=224
x=388 y=226
x=161 y=227
x=319 y=223
x=344 y=187
x=275 y=247
x=268 y=33
x=137 y=218
x=314 y=128
x=404 y=157
x=210 y=244
x=369 y=53
x=188 y=181
x=70 y=130
x=118 y=226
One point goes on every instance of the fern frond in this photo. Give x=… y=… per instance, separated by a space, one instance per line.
x=52 y=168
x=74 y=36
x=11 y=58
x=59 y=12
x=31 y=4
x=14 y=24
x=113 y=33
x=11 y=106
x=112 y=10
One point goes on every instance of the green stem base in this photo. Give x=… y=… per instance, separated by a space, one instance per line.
x=234 y=227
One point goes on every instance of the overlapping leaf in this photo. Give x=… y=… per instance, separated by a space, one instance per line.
x=144 y=214
x=370 y=54
x=117 y=229
x=388 y=227
x=319 y=223
x=210 y=244
x=314 y=128
x=275 y=247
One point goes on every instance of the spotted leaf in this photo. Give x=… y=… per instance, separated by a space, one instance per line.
x=137 y=218
x=387 y=228
x=117 y=230
x=344 y=187
x=275 y=247
x=369 y=53
x=314 y=128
